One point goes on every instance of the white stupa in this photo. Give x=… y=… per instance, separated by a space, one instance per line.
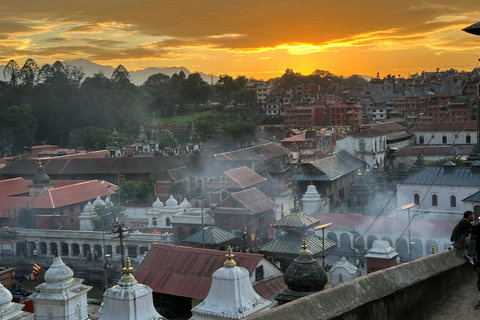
x=129 y=300
x=86 y=216
x=313 y=202
x=61 y=296
x=231 y=295
x=171 y=202
x=98 y=201
x=11 y=310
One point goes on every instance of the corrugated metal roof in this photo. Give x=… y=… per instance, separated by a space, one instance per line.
x=213 y=236
x=291 y=244
x=74 y=193
x=338 y=164
x=398 y=135
x=261 y=152
x=440 y=177
x=473 y=198
x=127 y=165
x=296 y=220
x=378 y=129
x=448 y=126
x=445 y=151
x=185 y=271
x=244 y=177
x=253 y=200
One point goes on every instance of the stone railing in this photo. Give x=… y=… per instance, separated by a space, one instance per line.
x=406 y=291
x=41 y=235
x=208 y=220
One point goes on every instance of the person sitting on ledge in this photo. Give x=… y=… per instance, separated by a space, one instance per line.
x=460 y=235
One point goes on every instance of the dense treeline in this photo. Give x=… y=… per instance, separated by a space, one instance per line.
x=56 y=104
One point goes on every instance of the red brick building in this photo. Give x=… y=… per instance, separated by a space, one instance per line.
x=347 y=114
x=305 y=117
x=249 y=208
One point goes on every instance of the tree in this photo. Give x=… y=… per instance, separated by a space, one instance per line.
x=29 y=73
x=90 y=138
x=242 y=133
x=11 y=72
x=107 y=215
x=121 y=76
x=179 y=188
x=135 y=189
x=18 y=127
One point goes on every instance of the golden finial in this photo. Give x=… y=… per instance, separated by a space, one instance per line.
x=127 y=276
x=304 y=250
x=367 y=169
x=433 y=249
x=230 y=263
x=359 y=172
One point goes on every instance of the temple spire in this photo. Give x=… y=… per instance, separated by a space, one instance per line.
x=230 y=263
x=127 y=276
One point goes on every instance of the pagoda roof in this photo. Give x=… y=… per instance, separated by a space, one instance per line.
x=296 y=219
x=290 y=244
x=213 y=236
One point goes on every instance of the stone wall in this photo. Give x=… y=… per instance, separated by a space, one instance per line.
x=406 y=291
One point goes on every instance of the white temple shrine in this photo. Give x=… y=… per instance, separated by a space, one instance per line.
x=11 y=310
x=129 y=300
x=61 y=296
x=343 y=271
x=312 y=201
x=85 y=218
x=231 y=295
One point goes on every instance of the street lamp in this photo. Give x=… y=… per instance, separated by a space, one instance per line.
x=408 y=206
x=323 y=227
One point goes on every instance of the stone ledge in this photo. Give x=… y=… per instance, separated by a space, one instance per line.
x=401 y=292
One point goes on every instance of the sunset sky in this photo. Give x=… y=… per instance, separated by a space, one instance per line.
x=258 y=39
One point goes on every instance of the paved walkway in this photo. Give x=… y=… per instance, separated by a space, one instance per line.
x=462 y=302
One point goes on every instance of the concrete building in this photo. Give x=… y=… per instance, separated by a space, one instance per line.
x=343 y=271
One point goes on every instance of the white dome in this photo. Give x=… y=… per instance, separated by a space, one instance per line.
x=98 y=201
x=171 y=202
x=108 y=201
x=185 y=204
x=157 y=203
x=5 y=295
x=89 y=207
x=58 y=272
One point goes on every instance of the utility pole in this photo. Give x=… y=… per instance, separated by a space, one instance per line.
x=120 y=229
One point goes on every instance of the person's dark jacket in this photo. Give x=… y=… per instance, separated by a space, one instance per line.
x=461 y=230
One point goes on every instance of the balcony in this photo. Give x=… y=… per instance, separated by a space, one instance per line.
x=193 y=219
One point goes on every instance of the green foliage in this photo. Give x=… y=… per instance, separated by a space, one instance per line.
x=179 y=188
x=106 y=216
x=242 y=133
x=18 y=127
x=89 y=138
x=135 y=189
x=457 y=161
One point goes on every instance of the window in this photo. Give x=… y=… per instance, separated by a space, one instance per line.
x=422 y=140
x=340 y=278
x=259 y=273
x=453 y=201
x=167 y=222
x=434 y=200
x=416 y=199
x=468 y=139
x=200 y=183
x=224 y=179
x=154 y=221
x=444 y=139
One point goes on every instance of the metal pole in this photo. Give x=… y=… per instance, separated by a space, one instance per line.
x=409 y=238
x=203 y=229
x=323 y=248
